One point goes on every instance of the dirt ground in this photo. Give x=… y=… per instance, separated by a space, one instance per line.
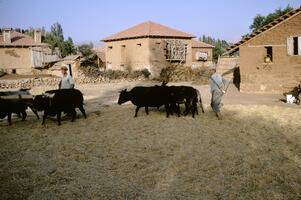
x=254 y=153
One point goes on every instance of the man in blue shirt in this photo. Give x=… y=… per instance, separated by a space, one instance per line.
x=218 y=87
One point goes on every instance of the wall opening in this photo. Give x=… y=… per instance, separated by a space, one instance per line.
x=14 y=71
x=295 y=45
x=269 y=54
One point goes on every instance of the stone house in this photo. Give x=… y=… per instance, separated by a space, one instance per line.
x=152 y=46
x=72 y=62
x=270 y=58
x=22 y=54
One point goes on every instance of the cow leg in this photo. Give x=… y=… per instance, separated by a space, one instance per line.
x=24 y=114
x=146 y=109
x=201 y=105
x=178 y=109
x=73 y=115
x=44 y=117
x=81 y=108
x=167 y=110
x=35 y=112
x=58 y=115
x=136 y=112
x=9 y=118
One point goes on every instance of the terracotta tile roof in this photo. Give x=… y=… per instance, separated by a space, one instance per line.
x=265 y=28
x=19 y=39
x=148 y=29
x=200 y=44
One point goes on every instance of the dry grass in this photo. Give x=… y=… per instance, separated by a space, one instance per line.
x=254 y=153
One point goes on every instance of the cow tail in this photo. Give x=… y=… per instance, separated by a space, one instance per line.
x=200 y=100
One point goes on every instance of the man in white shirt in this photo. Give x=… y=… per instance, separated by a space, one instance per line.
x=218 y=88
x=67 y=81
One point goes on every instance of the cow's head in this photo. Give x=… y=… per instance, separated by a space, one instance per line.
x=41 y=102
x=123 y=97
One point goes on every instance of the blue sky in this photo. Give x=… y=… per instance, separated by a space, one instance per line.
x=92 y=20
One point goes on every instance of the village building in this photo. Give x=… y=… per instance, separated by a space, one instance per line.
x=22 y=54
x=153 y=46
x=72 y=62
x=269 y=59
x=101 y=57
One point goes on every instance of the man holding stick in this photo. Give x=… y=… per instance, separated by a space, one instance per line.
x=218 y=87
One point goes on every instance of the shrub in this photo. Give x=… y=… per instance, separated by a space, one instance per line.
x=178 y=73
x=94 y=72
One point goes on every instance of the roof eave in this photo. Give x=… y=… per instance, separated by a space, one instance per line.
x=147 y=36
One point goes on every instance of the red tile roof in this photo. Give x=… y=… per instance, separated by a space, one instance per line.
x=200 y=44
x=19 y=39
x=148 y=29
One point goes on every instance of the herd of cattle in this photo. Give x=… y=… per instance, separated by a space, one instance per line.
x=54 y=102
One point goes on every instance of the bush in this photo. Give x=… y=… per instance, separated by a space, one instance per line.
x=174 y=74
x=94 y=72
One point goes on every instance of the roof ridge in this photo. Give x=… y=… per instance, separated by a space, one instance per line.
x=148 y=29
x=264 y=29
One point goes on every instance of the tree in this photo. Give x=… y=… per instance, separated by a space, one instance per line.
x=88 y=54
x=55 y=38
x=57 y=30
x=220 y=46
x=260 y=21
x=86 y=49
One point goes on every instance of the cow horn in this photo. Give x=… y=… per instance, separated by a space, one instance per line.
x=49 y=95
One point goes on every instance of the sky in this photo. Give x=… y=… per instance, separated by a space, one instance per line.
x=92 y=20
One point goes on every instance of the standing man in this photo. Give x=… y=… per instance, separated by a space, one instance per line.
x=218 y=87
x=67 y=81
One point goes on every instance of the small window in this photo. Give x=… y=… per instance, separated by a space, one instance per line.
x=110 y=47
x=269 y=54
x=295 y=44
x=139 y=44
x=14 y=71
x=158 y=43
x=123 y=46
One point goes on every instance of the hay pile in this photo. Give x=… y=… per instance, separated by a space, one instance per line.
x=180 y=73
x=255 y=153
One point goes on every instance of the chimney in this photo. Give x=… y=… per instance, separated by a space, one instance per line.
x=38 y=36
x=7 y=35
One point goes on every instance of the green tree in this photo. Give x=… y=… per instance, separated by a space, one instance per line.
x=55 y=38
x=88 y=54
x=220 y=46
x=57 y=30
x=85 y=49
x=260 y=21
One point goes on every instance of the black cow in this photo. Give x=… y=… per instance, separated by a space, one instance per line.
x=154 y=96
x=187 y=95
x=28 y=101
x=53 y=102
x=9 y=106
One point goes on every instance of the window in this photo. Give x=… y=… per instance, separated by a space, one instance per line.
x=139 y=44
x=269 y=54
x=294 y=46
x=14 y=71
x=123 y=46
x=110 y=47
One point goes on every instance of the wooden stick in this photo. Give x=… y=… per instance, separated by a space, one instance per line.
x=17 y=97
